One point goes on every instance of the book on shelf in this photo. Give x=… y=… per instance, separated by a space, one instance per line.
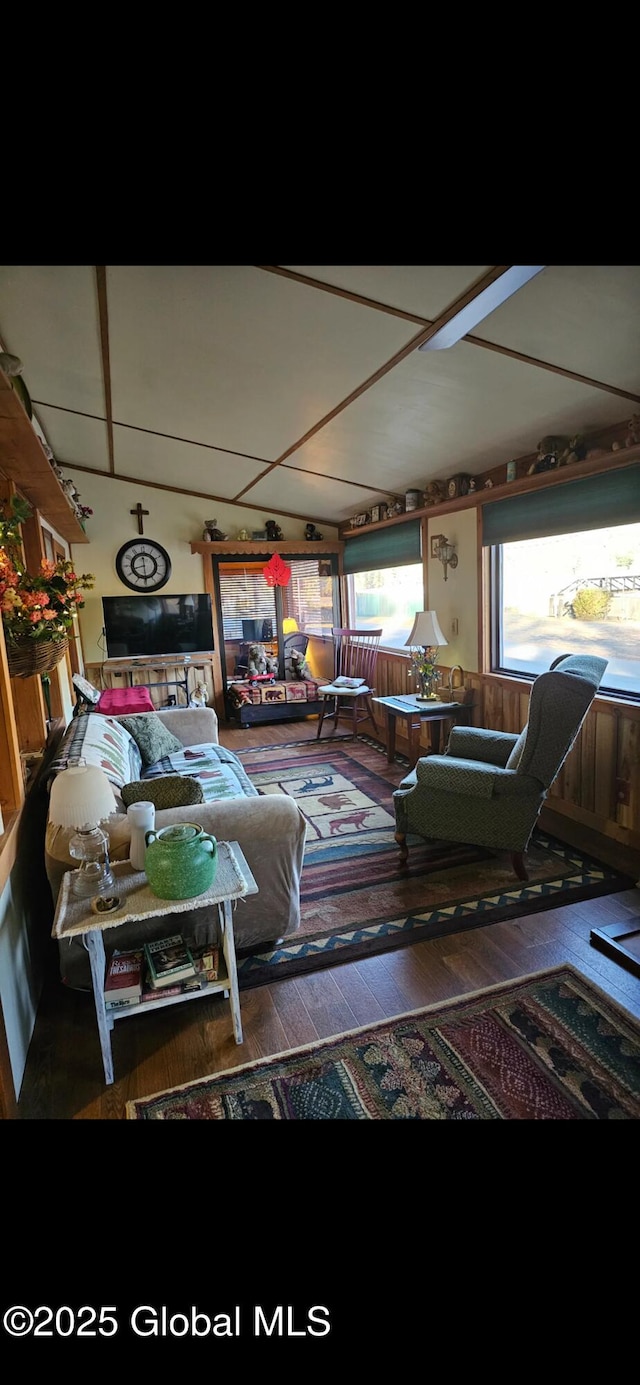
x=169 y=960
x=207 y=961
x=123 y=981
x=112 y=1005
x=151 y=993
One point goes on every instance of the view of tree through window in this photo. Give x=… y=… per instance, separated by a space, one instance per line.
x=571 y=594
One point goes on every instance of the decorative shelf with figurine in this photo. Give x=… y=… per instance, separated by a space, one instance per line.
x=530 y=473
x=259 y=547
x=23 y=459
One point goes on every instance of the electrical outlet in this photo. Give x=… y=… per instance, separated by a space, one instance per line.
x=454 y=625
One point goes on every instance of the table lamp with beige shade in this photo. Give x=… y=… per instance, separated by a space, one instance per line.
x=424 y=643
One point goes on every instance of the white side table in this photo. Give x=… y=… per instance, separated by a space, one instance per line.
x=233 y=880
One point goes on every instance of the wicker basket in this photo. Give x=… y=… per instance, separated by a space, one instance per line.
x=26 y=657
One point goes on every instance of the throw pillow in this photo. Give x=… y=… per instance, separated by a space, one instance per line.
x=151 y=736
x=169 y=791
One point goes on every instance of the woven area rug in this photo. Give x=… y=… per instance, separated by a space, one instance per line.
x=547 y=1047
x=355 y=898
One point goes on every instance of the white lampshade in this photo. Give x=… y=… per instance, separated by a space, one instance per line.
x=81 y=796
x=426 y=631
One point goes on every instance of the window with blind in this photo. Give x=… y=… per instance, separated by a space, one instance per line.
x=565 y=577
x=254 y=613
x=309 y=596
x=308 y=599
x=385 y=582
x=245 y=596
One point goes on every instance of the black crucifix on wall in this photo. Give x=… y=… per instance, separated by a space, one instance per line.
x=139 y=512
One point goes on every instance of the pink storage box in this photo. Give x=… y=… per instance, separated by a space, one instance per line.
x=123 y=701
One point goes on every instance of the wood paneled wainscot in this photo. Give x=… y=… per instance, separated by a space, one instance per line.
x=599 y=783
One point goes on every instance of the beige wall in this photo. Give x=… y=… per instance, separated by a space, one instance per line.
x=175 y=520
x=457 y=598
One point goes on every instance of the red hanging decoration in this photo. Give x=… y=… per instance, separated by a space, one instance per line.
x=276 y=573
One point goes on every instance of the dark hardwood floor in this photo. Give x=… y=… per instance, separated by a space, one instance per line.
x=64 y=1077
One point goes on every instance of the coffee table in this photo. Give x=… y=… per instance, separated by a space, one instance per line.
x=406 y=707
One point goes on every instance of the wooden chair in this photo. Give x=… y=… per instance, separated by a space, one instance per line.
x=355 y=659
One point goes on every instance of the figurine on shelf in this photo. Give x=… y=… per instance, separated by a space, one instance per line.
x=576 y=451
x=550 y=449
x=71 y=492
x=257 y=661
x=299 y=666
x=13 y=368
x=199 y=697
x=212 y=533
x=311 y=534
x=434 y=493
x=633 y=436
x=243 y=535
x=274 y=532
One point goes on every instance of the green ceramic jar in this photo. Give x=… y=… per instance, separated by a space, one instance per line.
x=180 y=861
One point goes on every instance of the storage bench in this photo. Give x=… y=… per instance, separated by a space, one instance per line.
x=250 y=703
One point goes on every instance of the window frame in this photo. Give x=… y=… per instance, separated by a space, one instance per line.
x=604 y=498
x=350 y=603
x=495 y=642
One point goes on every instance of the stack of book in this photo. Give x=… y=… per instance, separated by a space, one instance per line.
x=173 y=968
x=123 y=982
x=169 y=961
x=165 y=967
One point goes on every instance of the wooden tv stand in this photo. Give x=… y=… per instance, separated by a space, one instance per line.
x=175 y=668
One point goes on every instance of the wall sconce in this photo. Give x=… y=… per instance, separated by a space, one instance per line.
x=445 y=551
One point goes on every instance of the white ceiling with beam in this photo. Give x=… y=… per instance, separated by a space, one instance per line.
x=300 y=388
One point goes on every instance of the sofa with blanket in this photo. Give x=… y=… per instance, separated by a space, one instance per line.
x=173 y=757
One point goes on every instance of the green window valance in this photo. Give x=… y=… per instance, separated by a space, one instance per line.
x=395 y=546
x=593 y=502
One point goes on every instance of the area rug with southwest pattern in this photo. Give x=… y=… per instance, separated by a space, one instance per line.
x=550 y=1046
x=356 y=900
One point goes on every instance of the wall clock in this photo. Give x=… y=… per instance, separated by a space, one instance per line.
x=143 y=565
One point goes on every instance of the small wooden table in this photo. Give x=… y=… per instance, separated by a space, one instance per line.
x=233 y=880
x=407 y=707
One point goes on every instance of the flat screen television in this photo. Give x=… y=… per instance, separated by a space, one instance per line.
x=135 y=626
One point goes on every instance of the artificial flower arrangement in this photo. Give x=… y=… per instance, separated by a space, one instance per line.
x=425 y=665
x=38 y=607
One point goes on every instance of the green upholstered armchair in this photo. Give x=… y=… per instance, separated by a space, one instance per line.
x=489 y=786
